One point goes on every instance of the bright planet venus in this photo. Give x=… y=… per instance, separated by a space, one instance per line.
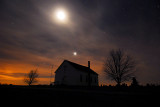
x=75 y=53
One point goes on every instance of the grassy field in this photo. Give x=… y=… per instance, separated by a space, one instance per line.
x=47 y=96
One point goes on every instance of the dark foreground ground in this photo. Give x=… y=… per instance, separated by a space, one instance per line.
x=46 y=96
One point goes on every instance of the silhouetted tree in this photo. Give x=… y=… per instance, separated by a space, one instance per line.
x=31 y=77
x=119 y=66
x=134 y=82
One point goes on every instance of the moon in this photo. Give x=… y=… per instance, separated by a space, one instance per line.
x=61 y=15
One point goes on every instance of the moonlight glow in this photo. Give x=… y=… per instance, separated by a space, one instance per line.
x=61 y=15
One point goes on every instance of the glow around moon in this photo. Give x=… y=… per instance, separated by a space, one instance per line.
x=61 y=15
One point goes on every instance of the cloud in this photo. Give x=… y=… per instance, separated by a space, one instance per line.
x=30 y=36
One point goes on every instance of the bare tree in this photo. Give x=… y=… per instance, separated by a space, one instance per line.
x=119 y=66
x=31 y=77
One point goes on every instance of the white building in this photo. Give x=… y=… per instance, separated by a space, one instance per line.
x=69 y=73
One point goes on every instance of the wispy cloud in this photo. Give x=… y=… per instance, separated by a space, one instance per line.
x=29 y=35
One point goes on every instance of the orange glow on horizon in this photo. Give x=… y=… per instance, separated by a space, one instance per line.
x=13 y=73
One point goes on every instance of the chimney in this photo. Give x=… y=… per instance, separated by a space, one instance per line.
x=89 y=64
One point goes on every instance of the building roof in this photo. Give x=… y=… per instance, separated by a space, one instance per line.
x=81 y=67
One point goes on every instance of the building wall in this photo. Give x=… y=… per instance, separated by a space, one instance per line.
x=68 y=75
x=83 y=79
x=61 y=76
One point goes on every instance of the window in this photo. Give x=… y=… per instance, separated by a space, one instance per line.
x=91 y=79
x=86 y=78
x=80 y=78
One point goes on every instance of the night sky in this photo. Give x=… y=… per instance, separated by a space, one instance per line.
x=31 y=38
